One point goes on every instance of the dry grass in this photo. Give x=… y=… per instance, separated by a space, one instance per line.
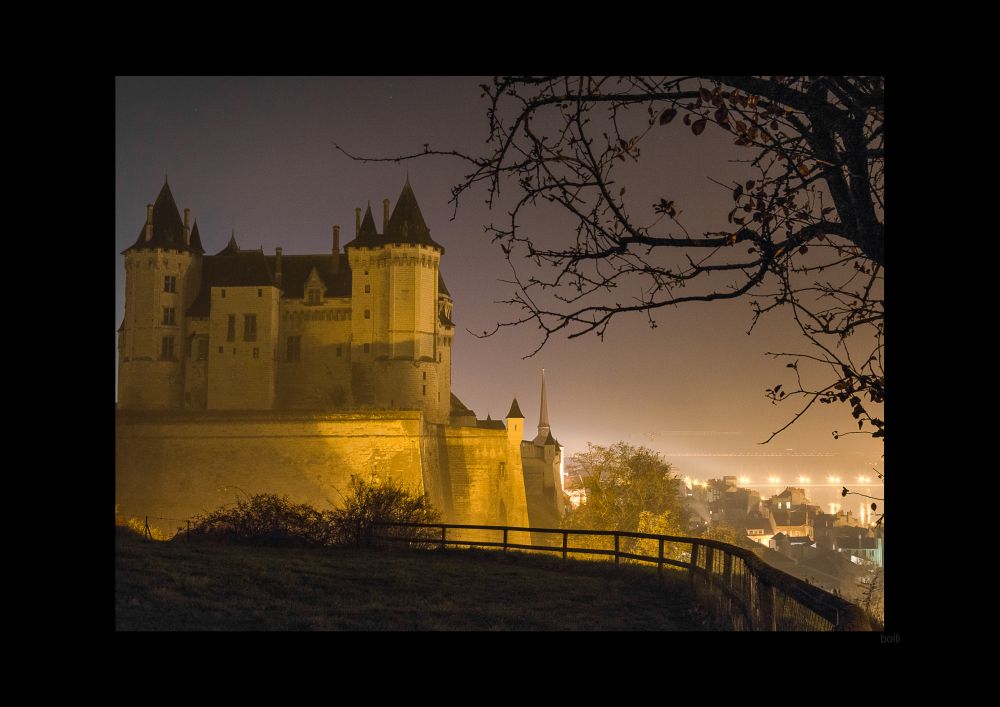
x=188 y=586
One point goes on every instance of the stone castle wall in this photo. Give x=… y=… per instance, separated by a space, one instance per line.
x=177 y=465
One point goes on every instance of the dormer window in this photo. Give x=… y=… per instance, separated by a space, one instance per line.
x=312 y=297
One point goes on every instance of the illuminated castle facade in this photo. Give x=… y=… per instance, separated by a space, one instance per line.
x=291 y=373
x=367 y=328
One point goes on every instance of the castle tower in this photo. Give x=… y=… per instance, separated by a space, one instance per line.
x=162 y=277
x=396 y=323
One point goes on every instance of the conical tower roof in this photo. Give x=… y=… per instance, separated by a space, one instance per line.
x=168 y=228
x=195 y=244
x=405 y=225
x=515 y=410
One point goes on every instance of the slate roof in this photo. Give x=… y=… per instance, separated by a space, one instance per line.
x=295 y=271
x=406 y=225
x=168 y=228
x=490 y=424
x=442 y=289
x=515 y=411
x=243 y=268
x=458 y=407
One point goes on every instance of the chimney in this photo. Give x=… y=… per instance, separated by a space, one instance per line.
x=385 y=214
x=277 y=267
x=336 y=249
x=149 y=222
x=187 y=227
x=357 y=221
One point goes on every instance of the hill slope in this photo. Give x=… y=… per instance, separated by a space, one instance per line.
x=180 y=586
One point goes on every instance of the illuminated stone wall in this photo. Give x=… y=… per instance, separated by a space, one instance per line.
x=242 y=372
x=145 y=379
x=321 y=377
x=177 y=465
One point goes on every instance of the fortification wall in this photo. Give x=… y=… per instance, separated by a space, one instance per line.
x=177 y=465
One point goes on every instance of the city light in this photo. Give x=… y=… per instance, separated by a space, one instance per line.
x=803 y=479
x=774 y=479
x=744 y=479
x=833 y=479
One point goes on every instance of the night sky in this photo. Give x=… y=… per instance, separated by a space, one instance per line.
x=256 y=155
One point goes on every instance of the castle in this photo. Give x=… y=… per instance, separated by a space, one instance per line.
x=354 y=345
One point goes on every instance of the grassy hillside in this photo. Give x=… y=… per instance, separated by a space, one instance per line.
x=181 y=586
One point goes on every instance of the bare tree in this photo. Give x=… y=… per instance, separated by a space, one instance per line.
x=805 y=234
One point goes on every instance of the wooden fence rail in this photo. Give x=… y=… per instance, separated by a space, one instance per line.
x=736 y=584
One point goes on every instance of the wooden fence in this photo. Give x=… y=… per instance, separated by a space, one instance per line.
x=735 y=584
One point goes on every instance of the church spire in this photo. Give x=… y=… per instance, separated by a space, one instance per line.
x=544 y=436
x=543 y=412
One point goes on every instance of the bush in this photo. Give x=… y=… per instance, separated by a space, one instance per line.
x=373 y=501
x=265 y=519
x=268 y=519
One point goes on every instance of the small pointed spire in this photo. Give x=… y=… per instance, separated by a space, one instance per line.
x=515 y=410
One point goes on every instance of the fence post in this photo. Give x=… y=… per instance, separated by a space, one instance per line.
x=659 y=564
x=616 y=550
x=565 y=538
x=709 y=558
x=189 y=530
x=694 y=561
x=146 y=532
x=727 y=570
x=444 y=530
x=505 y=539
x=766 y=607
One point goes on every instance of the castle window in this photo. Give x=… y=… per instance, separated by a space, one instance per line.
x=202 y=349
x=503 y=469
x=338 y=351
x=425 y=375
x=249 y=327
x=223 y=294
x=313 y=297
x=439 y=357
x=425 y=390
x=260 y=292
x=294 y=348
x=256 y=352
x=169 y=315
x=170 y=283
x=167 y=347
x=368 y=348
x=368 y=314
x=231 y=330
x=220 y=349
x=368 y=288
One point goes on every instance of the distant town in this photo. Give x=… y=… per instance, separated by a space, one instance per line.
x=835 y=550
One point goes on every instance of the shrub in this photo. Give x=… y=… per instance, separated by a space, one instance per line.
x=375 y=500
x=265 y=519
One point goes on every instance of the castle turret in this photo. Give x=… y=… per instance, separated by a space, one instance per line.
x=396 y=325
x=162 y=275
x=515 y=424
